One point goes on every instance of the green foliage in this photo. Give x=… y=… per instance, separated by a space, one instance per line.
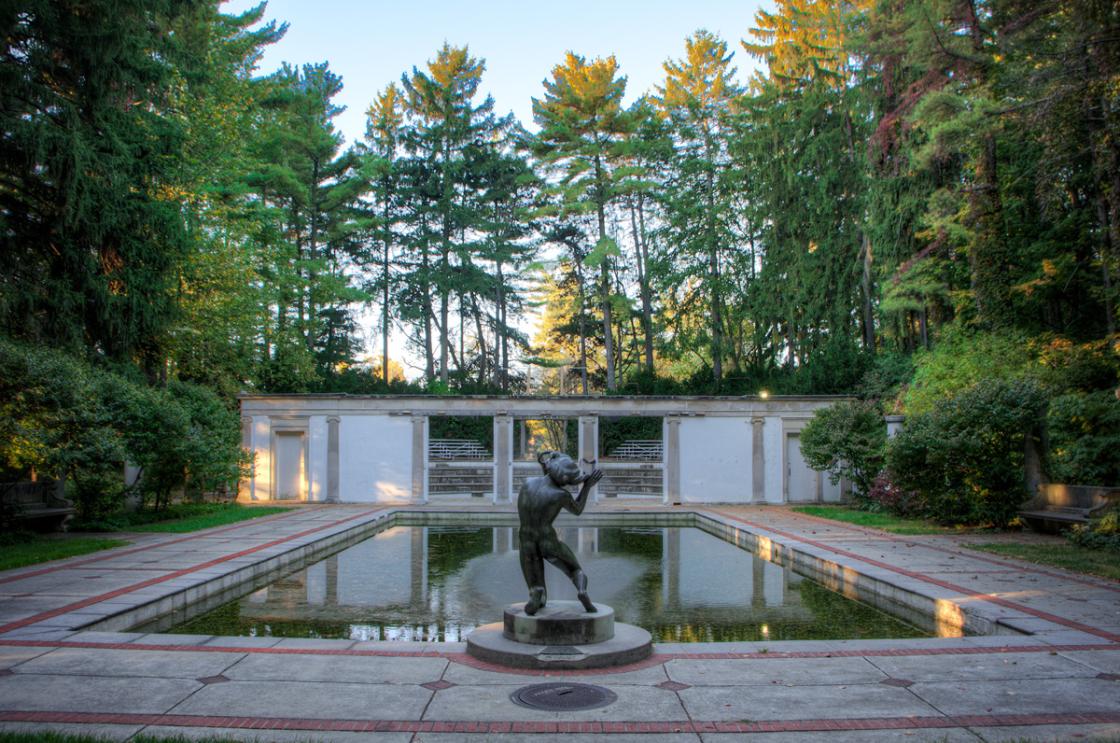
x=18 y=549
x=960 y=360
x=846 y=440
x=888 y=374
x=1071 y=557
x=478 y=428
x=1084 y=430
x=68 y=420
x=1101 y=533
x=965 y=456
x=613 y=431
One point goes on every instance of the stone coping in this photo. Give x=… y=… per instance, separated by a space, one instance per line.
x=945 y=607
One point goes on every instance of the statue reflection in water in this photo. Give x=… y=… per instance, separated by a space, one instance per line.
x=538 y=504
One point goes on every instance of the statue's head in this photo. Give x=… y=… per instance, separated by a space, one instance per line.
x=560 y=468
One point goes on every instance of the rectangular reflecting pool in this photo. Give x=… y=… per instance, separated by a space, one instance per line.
x=438 y=582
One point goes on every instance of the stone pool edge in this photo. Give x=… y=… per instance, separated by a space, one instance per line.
x=929 y=606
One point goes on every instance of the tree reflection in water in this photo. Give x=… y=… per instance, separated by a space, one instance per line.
x=437 y=583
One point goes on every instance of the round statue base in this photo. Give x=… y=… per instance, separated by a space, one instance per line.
x=562 y=635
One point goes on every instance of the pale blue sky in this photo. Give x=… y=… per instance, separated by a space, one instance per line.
x=371 y=43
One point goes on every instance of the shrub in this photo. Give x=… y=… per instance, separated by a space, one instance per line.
x=68 y=420
x=965 y=457
x=886 y=495
x=1084 y=433
x=1102 y=533
x=846 y=440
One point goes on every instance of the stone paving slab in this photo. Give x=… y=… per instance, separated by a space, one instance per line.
x=1020 y=696
x=1016 y=734
x=12 y=656
x=781 y=702
x=781 y=671
x=92 y=693
x=129 y=663
x=358 y=670
x=1057 y=683
x=308 y=700
x=988 y=667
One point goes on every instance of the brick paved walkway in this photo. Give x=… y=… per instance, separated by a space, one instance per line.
x=1056 y=678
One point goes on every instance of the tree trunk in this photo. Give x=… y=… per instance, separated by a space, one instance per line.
x=385 y=299
x=868 y=310
x=641 y=254
x=605 y=277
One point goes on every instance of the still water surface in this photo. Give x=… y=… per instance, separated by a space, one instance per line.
x=437 y=583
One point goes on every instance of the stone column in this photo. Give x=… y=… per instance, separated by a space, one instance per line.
x=332 y=459
x=894 y=424
x=671 y=455
x=503 y=457
x=589 y=446
x=245 y=485
x=419 y=458
x=758 y=461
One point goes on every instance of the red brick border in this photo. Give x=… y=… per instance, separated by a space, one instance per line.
x=583 y=726
x=967 y=593
x=176 y=574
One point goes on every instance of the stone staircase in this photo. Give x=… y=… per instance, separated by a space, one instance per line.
x=618 y=480
x=636 y=480
x=445 y=479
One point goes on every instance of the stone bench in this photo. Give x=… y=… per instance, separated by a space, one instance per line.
x=36 y=505
x=1058 y=506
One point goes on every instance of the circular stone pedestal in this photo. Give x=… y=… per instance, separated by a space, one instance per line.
x=561 y=635
x=558 y=623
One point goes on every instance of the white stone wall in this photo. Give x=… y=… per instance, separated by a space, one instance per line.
x=374 y=459
x=715 y=460
x=383 y=442
x=261 y=488
x=317 y=458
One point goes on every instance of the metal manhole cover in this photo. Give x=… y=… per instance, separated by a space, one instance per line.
x=561 y=697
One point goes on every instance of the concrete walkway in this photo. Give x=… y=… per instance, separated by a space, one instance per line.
x=1055 y=676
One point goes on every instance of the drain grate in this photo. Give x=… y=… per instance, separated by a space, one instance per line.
x=560 y=697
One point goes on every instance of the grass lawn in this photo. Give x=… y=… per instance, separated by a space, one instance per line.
x=19 y=550
x=1104 y=563
x=884 y=521
x=183 y=517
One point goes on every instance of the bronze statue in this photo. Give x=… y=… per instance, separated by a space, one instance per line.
x=538 y=504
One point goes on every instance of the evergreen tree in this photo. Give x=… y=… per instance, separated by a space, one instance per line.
x=698 y=98
x=582 y=124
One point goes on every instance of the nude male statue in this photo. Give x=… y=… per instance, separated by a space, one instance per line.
x=538 y=504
